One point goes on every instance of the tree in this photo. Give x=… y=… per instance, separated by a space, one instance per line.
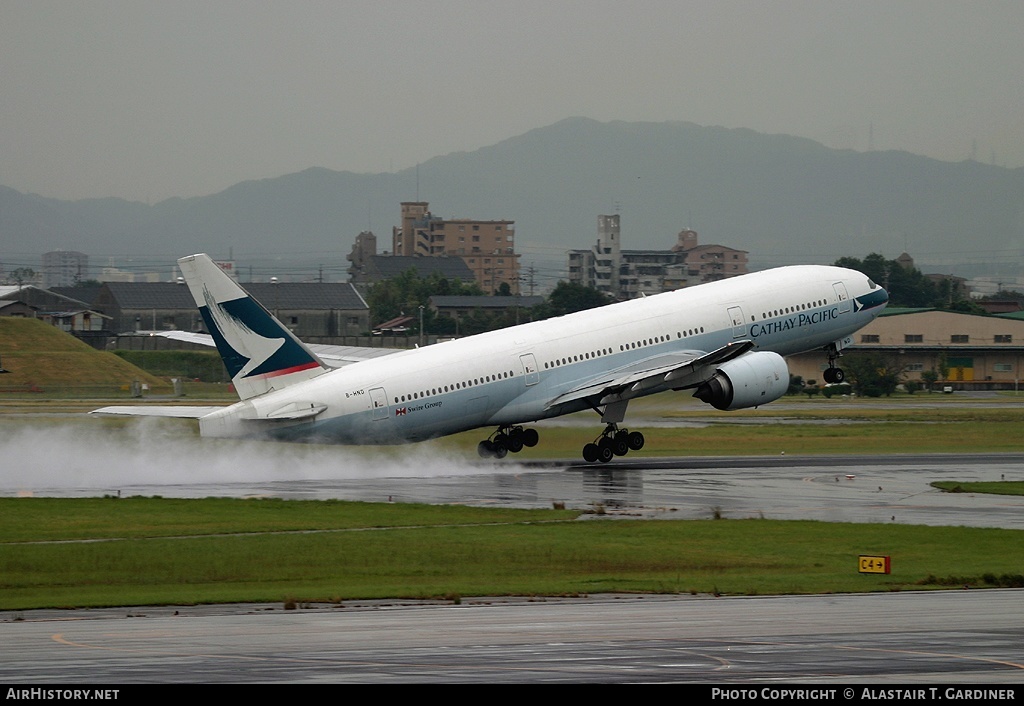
x=796 y=384
x=408 y=291
x=929 y=378
x=908 y=287
x=392 y=297
x=1005 y=295
x=569 y=297
x=943 y=368
x=22 y=275
x=873 y=374
x=874 y=266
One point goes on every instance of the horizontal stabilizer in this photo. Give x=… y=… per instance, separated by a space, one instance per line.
x=295 y=410
x=331 y=355
x=179 y=411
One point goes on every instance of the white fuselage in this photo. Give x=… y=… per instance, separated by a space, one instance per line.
x=511 y=376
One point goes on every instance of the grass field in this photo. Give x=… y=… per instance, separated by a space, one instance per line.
x=44 y=361
x=160 y=551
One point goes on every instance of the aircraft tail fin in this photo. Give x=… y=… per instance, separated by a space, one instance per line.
x=259 y=352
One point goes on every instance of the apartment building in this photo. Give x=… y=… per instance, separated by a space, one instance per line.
x=628 y=274
x=487 y=247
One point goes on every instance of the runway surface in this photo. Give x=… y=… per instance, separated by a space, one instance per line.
x=830 y=488
x=957 y=637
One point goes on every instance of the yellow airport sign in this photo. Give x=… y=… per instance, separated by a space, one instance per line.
x=873 y=564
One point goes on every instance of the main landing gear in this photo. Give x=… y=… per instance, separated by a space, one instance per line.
x=505 y=440
x=832 y=373
x=612 y=442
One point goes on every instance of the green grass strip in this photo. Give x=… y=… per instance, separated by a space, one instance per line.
x=987 y=487
x=52 y=519
x=523 y=556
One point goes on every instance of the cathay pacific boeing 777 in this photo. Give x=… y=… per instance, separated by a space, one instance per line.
x=724 y=340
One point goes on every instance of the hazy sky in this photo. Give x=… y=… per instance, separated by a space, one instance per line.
x=148 y=100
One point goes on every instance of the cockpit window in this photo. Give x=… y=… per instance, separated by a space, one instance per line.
x=871 y=284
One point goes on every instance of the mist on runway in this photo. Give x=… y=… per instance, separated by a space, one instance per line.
x=68 y=458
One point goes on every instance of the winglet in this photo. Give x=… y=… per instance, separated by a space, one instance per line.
x=259 y=352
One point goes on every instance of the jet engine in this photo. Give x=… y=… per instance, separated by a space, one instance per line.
x=748 y=381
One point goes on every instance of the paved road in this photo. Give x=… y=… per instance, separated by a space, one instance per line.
x=956 y=637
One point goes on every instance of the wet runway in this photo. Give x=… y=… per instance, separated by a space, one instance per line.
x=832 y=488
x=886 y=640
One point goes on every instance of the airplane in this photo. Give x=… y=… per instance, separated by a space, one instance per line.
x=724 y=340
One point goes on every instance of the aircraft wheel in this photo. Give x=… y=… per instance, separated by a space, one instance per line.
x=619 y=446
x=501 y=440
x=590 y=453
x=604 y=443
x=635 y=440
x=500 y=451
x=604 y=454
x=485 y=448
x=514 y=442
x=530 y=437
x=838 y=375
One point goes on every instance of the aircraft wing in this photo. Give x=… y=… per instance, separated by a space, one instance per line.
x=333 y=356
x=670 y=371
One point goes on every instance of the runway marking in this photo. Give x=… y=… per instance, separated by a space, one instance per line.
x=603 y=662
x=923 y=653
x=551 y=668
x=990 y=660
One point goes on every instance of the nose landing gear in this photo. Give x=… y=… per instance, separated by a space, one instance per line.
x=833 y=374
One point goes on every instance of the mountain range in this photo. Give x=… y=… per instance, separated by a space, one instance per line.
x=784 y=199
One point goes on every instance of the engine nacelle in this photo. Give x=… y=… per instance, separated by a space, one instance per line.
x=748 y=381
